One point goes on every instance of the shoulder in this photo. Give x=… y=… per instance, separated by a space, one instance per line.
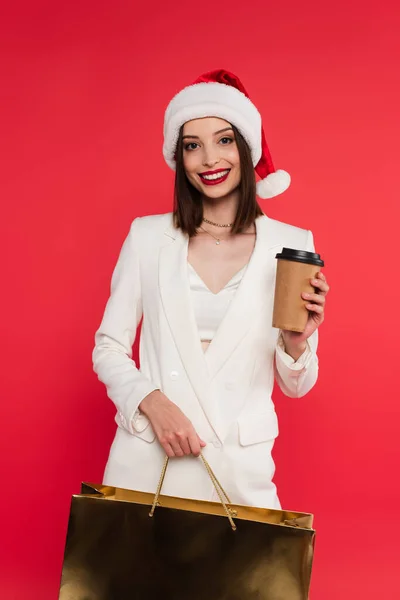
x=285 y=234
x=153 y=222
x=148 y=231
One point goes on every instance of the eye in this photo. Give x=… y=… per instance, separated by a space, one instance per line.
x=190 y=146
x=226 y=140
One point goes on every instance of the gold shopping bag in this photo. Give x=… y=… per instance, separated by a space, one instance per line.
x=123 y=544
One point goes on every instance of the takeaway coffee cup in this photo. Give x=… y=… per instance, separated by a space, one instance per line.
x=295 y=269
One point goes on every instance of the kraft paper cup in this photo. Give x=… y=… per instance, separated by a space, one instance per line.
x=295 y=269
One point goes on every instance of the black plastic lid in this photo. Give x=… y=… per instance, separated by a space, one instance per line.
x=310 y=258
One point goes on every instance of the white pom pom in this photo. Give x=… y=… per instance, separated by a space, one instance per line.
x=273 y=185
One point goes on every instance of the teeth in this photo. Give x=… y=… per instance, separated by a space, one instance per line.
x=216 y=175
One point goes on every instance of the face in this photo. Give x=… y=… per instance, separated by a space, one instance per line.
x=211 y=157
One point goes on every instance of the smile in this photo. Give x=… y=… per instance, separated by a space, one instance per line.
x=212 y=178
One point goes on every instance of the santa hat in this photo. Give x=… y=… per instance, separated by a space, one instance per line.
x=221 y=94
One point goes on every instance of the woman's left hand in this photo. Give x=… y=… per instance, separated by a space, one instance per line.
x=316 y=307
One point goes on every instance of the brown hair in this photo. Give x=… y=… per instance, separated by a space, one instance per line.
x=188 y=206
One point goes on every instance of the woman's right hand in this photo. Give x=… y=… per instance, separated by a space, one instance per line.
x=173 y=429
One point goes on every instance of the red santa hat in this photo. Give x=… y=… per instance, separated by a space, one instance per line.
x=221 y=94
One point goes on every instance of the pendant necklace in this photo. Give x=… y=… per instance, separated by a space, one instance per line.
x=217 y=240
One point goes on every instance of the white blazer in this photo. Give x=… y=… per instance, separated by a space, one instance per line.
x=225 y=392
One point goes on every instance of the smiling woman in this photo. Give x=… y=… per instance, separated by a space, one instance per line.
x=207 y=146
x=202 y=278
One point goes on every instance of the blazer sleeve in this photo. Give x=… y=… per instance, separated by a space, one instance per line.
x=112 y=355
x=297 y=378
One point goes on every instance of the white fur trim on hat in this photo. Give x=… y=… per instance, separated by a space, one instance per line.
x=273 y=185
x=211 y=100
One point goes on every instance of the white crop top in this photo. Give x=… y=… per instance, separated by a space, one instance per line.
x=209 y=308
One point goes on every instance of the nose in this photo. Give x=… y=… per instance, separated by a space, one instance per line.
x=210 y=157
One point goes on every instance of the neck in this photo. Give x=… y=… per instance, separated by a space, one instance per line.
x=221 y=210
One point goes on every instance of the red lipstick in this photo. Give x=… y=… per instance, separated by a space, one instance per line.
x=214 y=181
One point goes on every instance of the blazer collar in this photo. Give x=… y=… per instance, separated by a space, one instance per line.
x=255 y=293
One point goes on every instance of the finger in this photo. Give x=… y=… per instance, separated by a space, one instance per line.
x=176 y=447
x=321 y=285
x=318 y=298
x=184 y=444
x=315 y=308
x=168 y=450
x=194 y=442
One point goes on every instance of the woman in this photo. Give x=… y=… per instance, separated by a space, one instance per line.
x=203 y=280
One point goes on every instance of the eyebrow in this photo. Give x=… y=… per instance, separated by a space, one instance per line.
x=216 y=133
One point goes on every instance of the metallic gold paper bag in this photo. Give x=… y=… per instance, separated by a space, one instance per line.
x=188 y=550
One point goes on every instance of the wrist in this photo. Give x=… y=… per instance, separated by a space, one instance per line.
x=294 y=350
x=149 y=401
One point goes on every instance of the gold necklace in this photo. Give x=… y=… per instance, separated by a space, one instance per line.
x=217 y=224
x=218 y=241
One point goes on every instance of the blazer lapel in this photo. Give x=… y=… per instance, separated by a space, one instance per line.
x=175 y=296
x=254 y=294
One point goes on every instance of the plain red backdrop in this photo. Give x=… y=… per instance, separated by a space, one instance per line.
x=84 y=89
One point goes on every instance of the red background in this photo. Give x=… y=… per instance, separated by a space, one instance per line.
x=85 y=89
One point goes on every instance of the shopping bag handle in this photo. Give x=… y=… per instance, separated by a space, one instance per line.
x=222 y=495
